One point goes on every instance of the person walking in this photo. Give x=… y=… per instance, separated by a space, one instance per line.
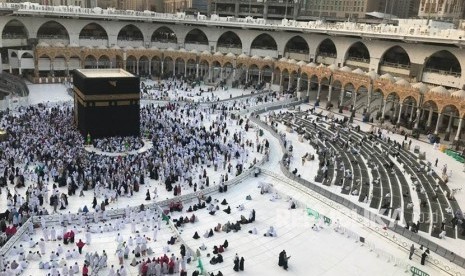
x=412 y=251
x=80 y=244
x=241 y=264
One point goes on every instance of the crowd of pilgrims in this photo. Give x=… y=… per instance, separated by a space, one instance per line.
x=44 y=156
x=118 y=144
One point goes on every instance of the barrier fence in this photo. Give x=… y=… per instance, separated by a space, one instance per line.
x=362 y=215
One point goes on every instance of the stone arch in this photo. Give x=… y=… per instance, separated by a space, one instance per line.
x=90 y=62
x=130 y=32
x=326 y=52
x=27 y=55
x=93 y=31
x=395 y=56
x=196 y=36
x=264 y=41
x=131 y=64
x=164 y=35
x=229 y=42
x=156 y=65
x=267 y=71
x=104 y=62
x=143 y=66
x=180 y=66
x=297 y=48
x=53 y=30
x=443 y=62
x=358 y=51
x=15 y=29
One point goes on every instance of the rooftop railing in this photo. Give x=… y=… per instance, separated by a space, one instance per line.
x=360 y=29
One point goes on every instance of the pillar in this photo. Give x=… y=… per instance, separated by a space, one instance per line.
x=459 y=129
x=150 y=67
x=417 y=122
x=308 y=88
x=247 y=75
x=298 y=84
x=272 y=78
x=137 y=66
x=341 y=97
x=162 y=67
x=289 y=83
x=174 y=67
x=221 y=72
x=355 y=101
x=384 y=110
x=259 y=76
x=185 y=68
x=448 y=129
x=281 y=82
x=436 y=130
x=430 y=117
x=400 y=114
x=197 y=70
x=330 y=90
x=319 y=91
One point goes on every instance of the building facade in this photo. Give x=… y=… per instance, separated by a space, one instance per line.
x=441 y=9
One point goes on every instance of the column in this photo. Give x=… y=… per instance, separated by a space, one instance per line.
x=451 y=119
x=400 y=114
x=150 y=67
x=197 y=70
x=330 y=90
x=355 y=101
x=162 y=67
x=457 y=135
x=259 y=76
x=396 y=108
x=234 y=73
x=430 y=117
x=174 y=67
x=281 y=82
x=412 y=111
x=137 y=67
x=341 y=97
x=185 y=68
x=319 y=91
x=384 y=110
x=289 y=83
x=221 y=73
x=298 y=84
x=417 y=122
x=436 y=130
x=247 y=75
x=209 y=73
x=272 y=78
x=308 y=88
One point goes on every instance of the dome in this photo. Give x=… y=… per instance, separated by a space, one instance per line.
x=102 y=47
x=194 y=51
x=321 y=66
x=170 y=49
x=43 y=44
x=243 y=56
x=301 y=63
x=343 y=69
x=403 y=82
x=128 y=47
x=206 y=53
x=154 y=47
x=332 y=67
x=458 y=93
x=388 y=77
x=231 y=55
x=182 y=50
x=372 y=75
x=267 y=58
x=72 y=45
x=283 y=59
x=141 y=48
x=59 y=45
x=293 y=61
x=358 y=71
x=439 y=90
x=218 y=54
x=255 y=57
x=312 y=64
x=423 y=88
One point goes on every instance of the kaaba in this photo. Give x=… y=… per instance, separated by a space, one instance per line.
x=106 y=102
